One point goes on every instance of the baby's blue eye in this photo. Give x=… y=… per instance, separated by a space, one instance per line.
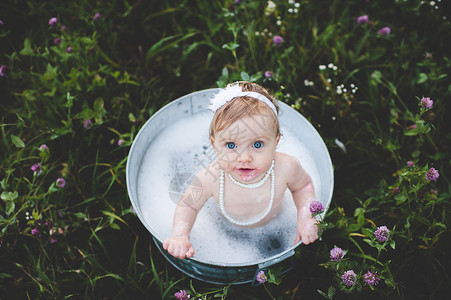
x=231 y=145
x=258 y=145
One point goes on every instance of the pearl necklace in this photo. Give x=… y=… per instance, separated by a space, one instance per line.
x=221 y=196
x=255 y=184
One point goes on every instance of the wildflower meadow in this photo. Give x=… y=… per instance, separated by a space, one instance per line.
x=78 y=79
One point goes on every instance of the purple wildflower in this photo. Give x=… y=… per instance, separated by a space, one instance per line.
x=410 y=164
x=411 y=127
x=69 y=49
x=316 y=207
x=371 y=278
x=57 y=41
x=97 y=16
x=48 y=223
x=277 y=39
x=384 y=31
x=4 y=71
x=382 y=234
x=432 y=174
x=336 y=254
x=87 y=124
x=120 y=142
x=1 y=22
x=35 y=231
x=349 y=278
x=36 y=168
x=182 y=295
x=426 y=102
x=362 y=19
x=268 y=74
x=53 y=21
x=261 y=277
x=395 y=190
x=60 y=182
x=428 y=55
x=43 y=147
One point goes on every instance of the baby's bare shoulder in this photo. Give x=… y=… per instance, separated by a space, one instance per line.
x=288 y=167
x=208 y=176
x=285 y=160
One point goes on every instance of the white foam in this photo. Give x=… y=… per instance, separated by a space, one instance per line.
x=184 y=148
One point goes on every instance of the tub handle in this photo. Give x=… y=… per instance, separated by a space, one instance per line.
x=267 y=264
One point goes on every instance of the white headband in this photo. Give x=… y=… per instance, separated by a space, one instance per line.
x=233 y=91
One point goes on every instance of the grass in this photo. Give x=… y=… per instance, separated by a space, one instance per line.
x=360 y=89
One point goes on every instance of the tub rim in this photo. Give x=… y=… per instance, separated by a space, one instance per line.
x=188 y=97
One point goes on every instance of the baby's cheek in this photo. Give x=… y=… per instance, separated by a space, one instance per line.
x=226 y=158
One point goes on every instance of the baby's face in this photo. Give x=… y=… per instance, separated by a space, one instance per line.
x=246 y=148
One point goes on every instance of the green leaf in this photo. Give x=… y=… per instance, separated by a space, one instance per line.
x=27 y=48
x=422 y=78
x=17 y=141
x=230 y=46
x=359 y=213
x=392 y=244
x=400 y=199
x=160 y=47
x=9 y=196
x=115 y=226
x=10 y=206
x=4 y=184
x=245 y=76
x=353 y=227
x=331 y=292
x=50 y=73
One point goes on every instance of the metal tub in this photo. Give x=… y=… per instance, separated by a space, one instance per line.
x=198 y=267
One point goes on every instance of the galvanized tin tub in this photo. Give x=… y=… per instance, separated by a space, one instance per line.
x=172 y=146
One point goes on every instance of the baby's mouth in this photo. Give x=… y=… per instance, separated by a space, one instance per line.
x=245 y=174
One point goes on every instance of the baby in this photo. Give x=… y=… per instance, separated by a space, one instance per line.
x=249 y=178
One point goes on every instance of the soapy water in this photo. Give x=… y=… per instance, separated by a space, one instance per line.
x=169 y=166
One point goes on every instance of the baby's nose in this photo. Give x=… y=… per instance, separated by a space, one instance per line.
x=244 y=156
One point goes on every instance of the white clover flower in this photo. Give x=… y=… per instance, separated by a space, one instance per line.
x=329 y=80
x=270 y=8
x=290 y=10
x=308 y=82
x=330 y=66
x=322 y=67
x=295 y=10
x=279 y=22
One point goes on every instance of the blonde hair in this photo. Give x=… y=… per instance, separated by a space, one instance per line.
x=244 y=106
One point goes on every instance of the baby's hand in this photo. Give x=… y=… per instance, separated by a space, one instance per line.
x=179 y=246
x=307 y=231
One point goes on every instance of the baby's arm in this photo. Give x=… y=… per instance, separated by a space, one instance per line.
x=301 y=187
x=179 y=245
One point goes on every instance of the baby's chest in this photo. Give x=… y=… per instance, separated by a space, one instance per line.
x=245 y=198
